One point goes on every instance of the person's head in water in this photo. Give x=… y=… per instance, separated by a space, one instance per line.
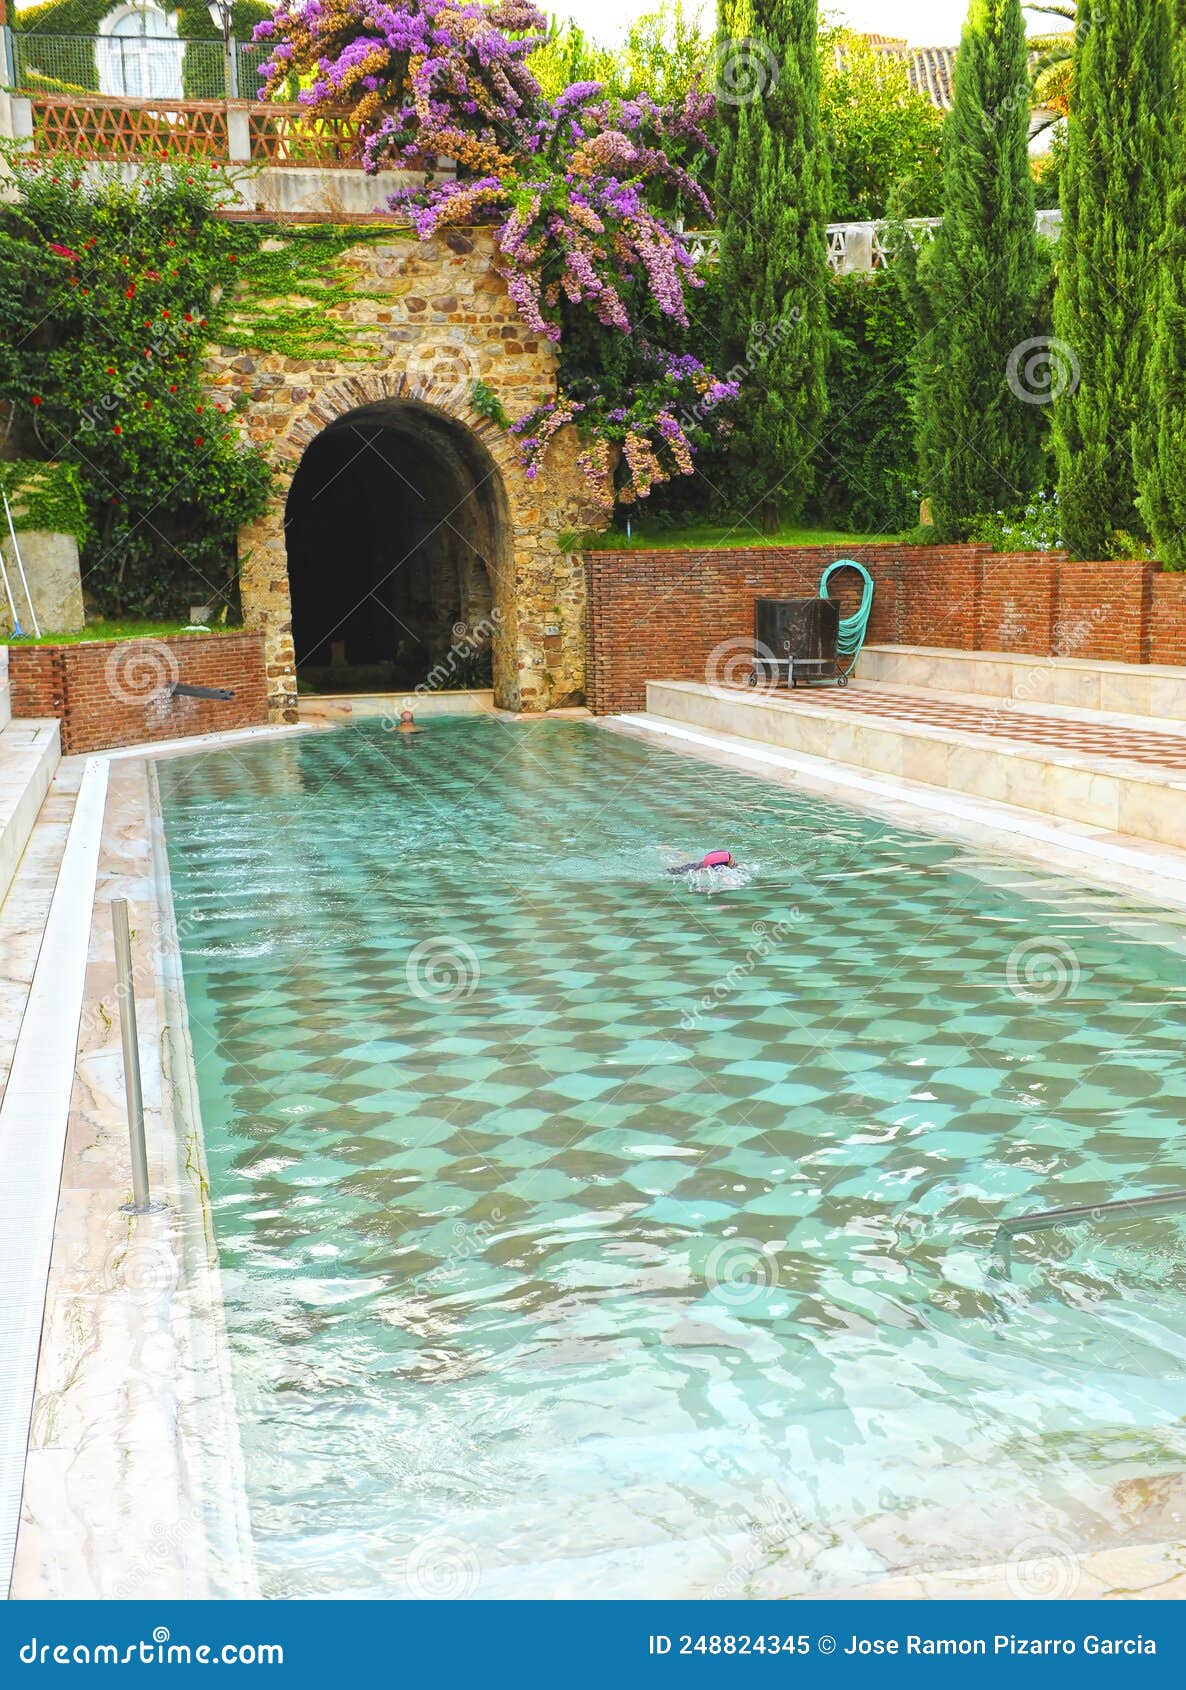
x=710 y=859
x=407 y=723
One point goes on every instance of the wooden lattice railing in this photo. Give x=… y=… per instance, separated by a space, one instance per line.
x=127 y=130
x=120 y=129
x=289 y=135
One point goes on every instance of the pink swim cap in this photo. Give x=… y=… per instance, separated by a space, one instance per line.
x=717 y=859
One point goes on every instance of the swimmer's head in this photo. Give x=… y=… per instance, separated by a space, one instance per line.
x=718 y=859
x=406 y=718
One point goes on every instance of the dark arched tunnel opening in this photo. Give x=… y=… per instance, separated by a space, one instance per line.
x=395 y=529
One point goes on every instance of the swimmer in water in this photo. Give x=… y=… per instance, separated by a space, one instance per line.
x=407 y=723
x=710 y=859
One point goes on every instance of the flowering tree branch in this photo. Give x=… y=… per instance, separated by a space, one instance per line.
x=580 y=191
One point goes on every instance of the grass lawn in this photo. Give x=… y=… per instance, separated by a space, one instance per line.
x=131 y=630
x=740 y=532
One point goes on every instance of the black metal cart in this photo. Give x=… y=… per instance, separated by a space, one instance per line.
x=796 y=639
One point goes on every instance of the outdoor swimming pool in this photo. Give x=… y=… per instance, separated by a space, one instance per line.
x=584 y=1232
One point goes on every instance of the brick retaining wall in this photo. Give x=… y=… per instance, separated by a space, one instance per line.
x=659 y=615
x=107 y=693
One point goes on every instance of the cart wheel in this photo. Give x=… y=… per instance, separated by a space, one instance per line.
x=752 y=679
x=842 y=680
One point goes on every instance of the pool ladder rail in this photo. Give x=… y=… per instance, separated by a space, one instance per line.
x=1046 y=1220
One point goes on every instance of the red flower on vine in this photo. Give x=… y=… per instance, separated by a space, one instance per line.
x=117 y=429
x=198 y=440
x=63 y=252
x=37 y=399
x=130 y=293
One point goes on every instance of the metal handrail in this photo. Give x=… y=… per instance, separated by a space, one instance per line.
x=1045 y=1220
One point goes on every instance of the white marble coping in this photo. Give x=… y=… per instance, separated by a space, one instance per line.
x=133 y=1478
x=1066 y=847
x=33 y=1120
x=205 y=742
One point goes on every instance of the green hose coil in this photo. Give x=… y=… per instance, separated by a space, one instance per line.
x=851 y=636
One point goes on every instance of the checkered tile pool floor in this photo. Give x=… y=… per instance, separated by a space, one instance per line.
x=582 y=1225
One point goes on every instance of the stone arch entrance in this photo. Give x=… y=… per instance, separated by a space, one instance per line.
x=438 y=321
x=398 y=540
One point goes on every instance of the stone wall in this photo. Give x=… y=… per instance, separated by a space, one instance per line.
x=54 y=579
x=107 y=692
x=682 y=615
x=441 y=320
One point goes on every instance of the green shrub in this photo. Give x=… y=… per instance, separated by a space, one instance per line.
x=1035 y=527
x=867 y=470
x=110 y=292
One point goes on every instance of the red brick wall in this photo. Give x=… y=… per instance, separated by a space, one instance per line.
x=1019 y=603
x=659 y=615
x=108 y=693
x=1167 y=620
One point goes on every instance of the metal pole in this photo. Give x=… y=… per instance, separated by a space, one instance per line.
x=141 y=1203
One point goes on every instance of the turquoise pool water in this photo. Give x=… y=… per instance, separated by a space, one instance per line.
x=585 y=1230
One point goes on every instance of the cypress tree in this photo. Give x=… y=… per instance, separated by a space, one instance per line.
x=978 y=422
x=1113 y=189
x=772 y=191
x=1160 y=452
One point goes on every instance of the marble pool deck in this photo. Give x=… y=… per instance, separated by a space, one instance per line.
x=133 y=1483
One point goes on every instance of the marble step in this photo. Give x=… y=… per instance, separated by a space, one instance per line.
x=30 y=751
x=24 y=911
x=1153 y=690
x=1096 y=783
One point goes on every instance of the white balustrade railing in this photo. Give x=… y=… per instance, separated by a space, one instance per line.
x=858 y=246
